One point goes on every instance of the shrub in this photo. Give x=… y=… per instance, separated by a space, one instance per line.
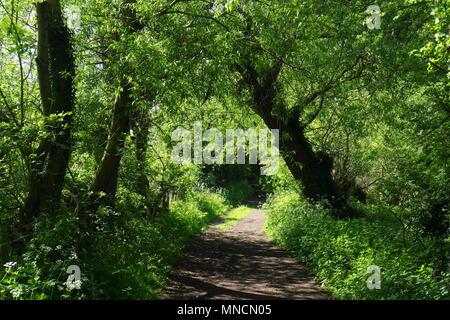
x=238 y=191
x=339 y=252
x=129 y=258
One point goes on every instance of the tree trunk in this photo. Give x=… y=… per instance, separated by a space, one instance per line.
x=4 y=249
x=104 y=185
x=141 y=128
x=106 y=177
x=304 y=164
x=56 y=70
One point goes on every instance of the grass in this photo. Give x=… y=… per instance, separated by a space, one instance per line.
x=233 y=217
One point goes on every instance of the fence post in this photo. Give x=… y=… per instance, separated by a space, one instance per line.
x=4 y=249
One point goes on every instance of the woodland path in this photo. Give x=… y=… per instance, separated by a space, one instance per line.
x=239 y=263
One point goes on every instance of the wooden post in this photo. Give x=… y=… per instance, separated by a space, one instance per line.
x=4 y=249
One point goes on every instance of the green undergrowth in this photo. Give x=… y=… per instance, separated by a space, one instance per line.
x=341 y=253
x=237 y=192
x=130 y=257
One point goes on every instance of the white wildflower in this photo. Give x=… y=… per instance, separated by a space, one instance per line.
x=73 y=284
x=438 y=35
x=16 y=293
x=10 y=264
x=46 y=248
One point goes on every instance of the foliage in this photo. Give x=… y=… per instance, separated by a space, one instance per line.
x=238 y=191
x=373 y=105
x=339 y=252
x=130 y=258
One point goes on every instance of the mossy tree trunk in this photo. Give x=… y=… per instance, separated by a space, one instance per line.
x=305 y=165
x=55 y=65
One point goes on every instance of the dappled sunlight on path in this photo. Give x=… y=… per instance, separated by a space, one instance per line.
x=240 y=263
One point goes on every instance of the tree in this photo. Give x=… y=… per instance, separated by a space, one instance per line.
x=56 y=70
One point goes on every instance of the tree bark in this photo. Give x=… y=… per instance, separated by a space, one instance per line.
x=56 y=70
x=104 y=185
x=141 y=127
x=106 y=177
x=304 y=164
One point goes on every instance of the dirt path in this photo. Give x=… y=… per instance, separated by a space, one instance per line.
x=239 y=263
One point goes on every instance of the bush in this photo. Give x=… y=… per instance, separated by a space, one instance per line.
x=130 y=256
x=238 y=192
x=340 y=252
x=211 y=203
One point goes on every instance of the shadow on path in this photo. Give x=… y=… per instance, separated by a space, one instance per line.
x=240 y=263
